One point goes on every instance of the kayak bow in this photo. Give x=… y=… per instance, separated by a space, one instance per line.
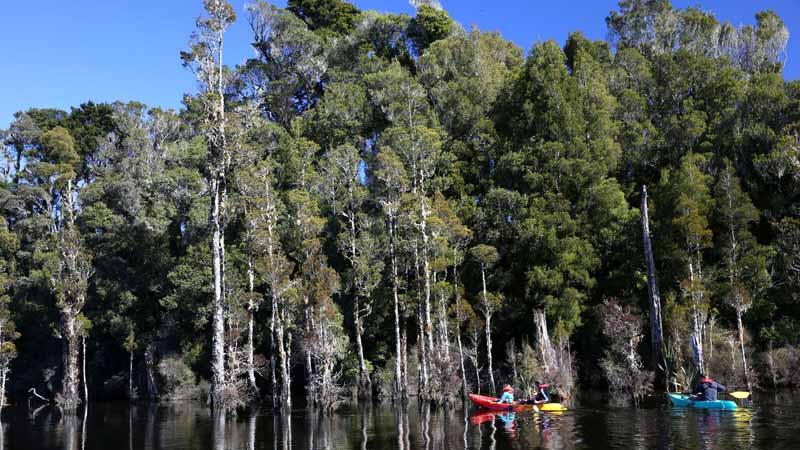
x=684 y=401
x=490 y=403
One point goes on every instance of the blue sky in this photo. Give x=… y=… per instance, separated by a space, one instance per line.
x=56 y=53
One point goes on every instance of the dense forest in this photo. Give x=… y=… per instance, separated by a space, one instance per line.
x=384 y=206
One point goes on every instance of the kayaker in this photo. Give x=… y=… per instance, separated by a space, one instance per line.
x=707 y=389
x=542 y=395
x=508 y=395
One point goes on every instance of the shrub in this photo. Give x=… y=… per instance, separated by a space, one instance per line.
x=621 y=362
x=178 y=382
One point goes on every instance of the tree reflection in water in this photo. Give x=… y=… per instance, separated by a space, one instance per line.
x=412 y=427
x=69 y=430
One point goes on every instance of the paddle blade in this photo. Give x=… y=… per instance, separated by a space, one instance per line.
x=740 y=395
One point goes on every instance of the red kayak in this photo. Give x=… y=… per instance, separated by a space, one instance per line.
x=490 y=403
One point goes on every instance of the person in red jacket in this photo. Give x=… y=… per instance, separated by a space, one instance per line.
x=707 y=389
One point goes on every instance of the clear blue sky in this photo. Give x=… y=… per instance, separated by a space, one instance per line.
x=60 y=53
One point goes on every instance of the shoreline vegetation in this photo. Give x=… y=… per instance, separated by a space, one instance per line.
x=381 y=206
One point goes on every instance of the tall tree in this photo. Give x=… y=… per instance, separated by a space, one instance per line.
x=692 y=203
x=68 y=266
x=487 y=257
x=205 y=59
x=656 y=330
x=357 y=243
x=744 y=260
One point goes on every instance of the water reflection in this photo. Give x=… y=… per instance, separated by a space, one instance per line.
x=417 y=427
x=69 y=432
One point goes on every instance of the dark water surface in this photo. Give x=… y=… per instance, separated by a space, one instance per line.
x=772 y=422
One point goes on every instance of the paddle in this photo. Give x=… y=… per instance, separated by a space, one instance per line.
x=741 y=395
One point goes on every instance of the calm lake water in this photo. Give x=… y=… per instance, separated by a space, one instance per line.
x=772 y=422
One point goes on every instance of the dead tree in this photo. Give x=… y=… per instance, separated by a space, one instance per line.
x=656 y=330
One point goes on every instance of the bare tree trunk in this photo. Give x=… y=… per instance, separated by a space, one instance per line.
x=130 y=376
x=273 y=352
x=711 y=321
x=427 y=275
x=697 y=332
x=399 y=387
x=457 y=293
x=421 y=345
x=741 y=347
x=83 y=372
x=444 y=338
x=404 y=359
x=489 y=350
x=364 y=382
x=543 y=338
x=309 y=313
x=3 y=378
x=218 y=307
x=487 y=311
x=656 y=330
x=283 y=356
x=464 y=389
x=251 y=307
x=70 y=398
x=422 y=389
x=286 y=366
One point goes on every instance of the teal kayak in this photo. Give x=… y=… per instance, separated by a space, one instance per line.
x=684 y=400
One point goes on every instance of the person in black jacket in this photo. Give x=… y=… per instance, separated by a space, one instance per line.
x=707 y=389
x=542 y=395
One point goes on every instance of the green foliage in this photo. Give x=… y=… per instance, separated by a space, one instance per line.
x=358 y=144
x=336 y=17
x=430 y=25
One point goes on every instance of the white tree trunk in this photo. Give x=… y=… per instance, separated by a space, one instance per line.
x=71 y=350
x=273 y=322
x=697 y=323
x=427 y=275
x=464 y=388
x=364 y=382
x=656 y=329
x=3 y=378
x=83 y=372
x=487 y=311
x=741 y=347
x=422 y=348
x=130 y=376
x=218 y=307
x=546 y=349
x=251 y=311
